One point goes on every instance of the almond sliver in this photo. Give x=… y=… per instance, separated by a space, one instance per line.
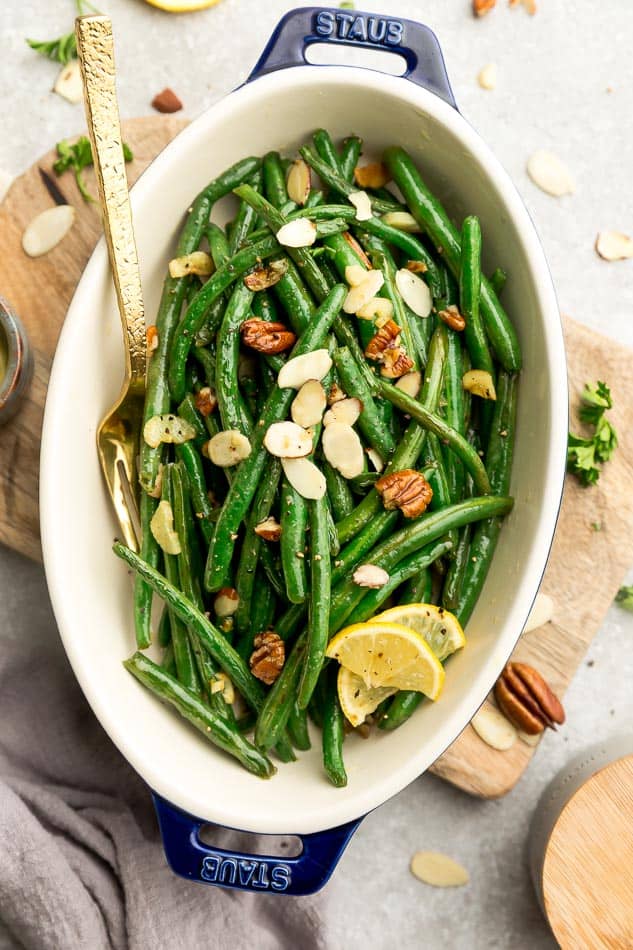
x=162 y=528
x=343 y=449
x=68 y=84
x=401 y=220
x=298 y=181
x=305 y=477
x=541 y=613
x=345 y=410
x=299 y=233
x=550 y=174
x=287 y=440
x=438 y=870
x=614 y=246
x=362 y=203
x=480 y=383
x=376 y=307
x=493 y=727
x=355 y=274
x=414 y=292
x=410 y=383
x=300 y=369
x=360 y=295
x=369 y=575
x=309 y=404
x=47 y=229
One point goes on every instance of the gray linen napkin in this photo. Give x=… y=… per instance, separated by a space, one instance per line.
x=81 y=863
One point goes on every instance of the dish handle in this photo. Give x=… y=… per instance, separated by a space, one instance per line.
x=305 y=26
x=190 y=858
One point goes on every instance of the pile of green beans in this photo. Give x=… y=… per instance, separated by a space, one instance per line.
x=223 y=580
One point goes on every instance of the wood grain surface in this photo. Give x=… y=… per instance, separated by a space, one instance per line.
x=585 y=568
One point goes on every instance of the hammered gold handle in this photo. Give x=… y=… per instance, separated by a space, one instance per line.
x=96 y=58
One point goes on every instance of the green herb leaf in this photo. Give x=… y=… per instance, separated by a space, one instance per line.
x=624 y=597
x=61 y=50
x=77 y=157
x=585 y=455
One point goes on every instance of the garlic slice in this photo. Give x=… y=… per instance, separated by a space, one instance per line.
x=479 y=382
x=228 y=448
x=198 y=262
x=47 y=229
x=68 y=84
x=162 y=528
x=169 y=429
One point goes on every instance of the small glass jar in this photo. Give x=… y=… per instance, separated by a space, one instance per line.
x=16 y=362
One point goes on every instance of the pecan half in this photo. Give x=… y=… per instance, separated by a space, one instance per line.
x=481 y=7
x=395 y=363
x=527 y=700
x=267 y=659
x=407 y=490
x=166 y=101
x=205 y=401
x=269 y=529
x=452 y=318
x=386 y=337
x=265 y=276
x=266 y=337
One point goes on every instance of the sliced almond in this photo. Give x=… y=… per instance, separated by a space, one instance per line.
x=266 y=276
x=378 y=307
x=46 y=230
x=375 y=458
x=369 y=575
x=298 y=183
x=305 y=477
x=540 y=614
x=335 y=394
x=410 y=383
x=355 y=274
x=346 y=411
x=614 y=246
x=414 y=292
x=6 y=180
x=375 y=175
x=162 y=528
x=68 y=84
x=493 y=727
x=299 y=233
x=479 y=382
x=287 y=440
x=349 y=238
x=550 y=174
x=226 y=602
x=228 y=448
x=362 y=203
x=438 y=870
x=487 y=77
x=343 y=449
x=300 y=369
x=531 y=740
x=198 y=262
x=167 y=428
x=309 y=404
x=360 y=295
x=401 y=220
x=269 y=529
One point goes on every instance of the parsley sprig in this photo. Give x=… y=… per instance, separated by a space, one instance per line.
x=64 y=48
x=584 y=456
x=77 y=157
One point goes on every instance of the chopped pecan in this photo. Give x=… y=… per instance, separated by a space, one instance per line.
x=267 y=659
x=416 y=267
x=206 y=401
x=407 y=490
x=269 y=529
x=266 y=275
x=395 y=363
x=266 y=337
x=481 y=7
x=151 y=335
x=387 y=336
x=375 y=175
x=526 y=699
x=166 y=101
x=452 y=318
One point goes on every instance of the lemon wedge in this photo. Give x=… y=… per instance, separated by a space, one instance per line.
x=388 y=655
x=441 y=629
x=182 y=6
x=358 y=700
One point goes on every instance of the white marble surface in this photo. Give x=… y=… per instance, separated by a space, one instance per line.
x=555 y=70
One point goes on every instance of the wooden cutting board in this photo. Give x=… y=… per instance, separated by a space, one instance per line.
x=585 y=568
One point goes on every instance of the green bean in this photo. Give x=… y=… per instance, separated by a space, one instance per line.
x=294 y=297
x=382 y=259
x=274 y=180
x=325 y=148
x=273 y=715
x=216 y=729
x=164 y=629
x=434 y=423
x=300 y=255
x=249 y=555
x=271 y=565
x=433 y=218
x=417 y=589
x=245 y=482
x=498 y=280
x=401 y=708
x=262 y=613
x=409 y=567
x=334 y=180
x=168 y=661
x=298 y=728
x=143 y=596
x=294 y=520
x=245 y=218
x=204 y=511
x=338 y=490
x=438 y=480
x=455 y=574
x=157 y=398
x=454 y=411
x=332 y=536
x=206 y=357
x=333 y=731
x=411 y=538
x=233 y=410
x=212 y=639
x=350 y=153
x=499 y=459
x=369 y=421
x=191 y=322
x=319 y=605
x=218 y=245
x=469 y=293
x=288 y=624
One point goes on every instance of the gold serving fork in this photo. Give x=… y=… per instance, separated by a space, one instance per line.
x=118 y=436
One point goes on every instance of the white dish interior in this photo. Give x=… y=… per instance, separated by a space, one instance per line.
x=90 y=588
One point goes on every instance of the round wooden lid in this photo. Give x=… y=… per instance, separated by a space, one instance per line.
x=588 y=868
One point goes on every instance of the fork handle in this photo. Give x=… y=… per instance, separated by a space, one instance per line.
x=96 y=58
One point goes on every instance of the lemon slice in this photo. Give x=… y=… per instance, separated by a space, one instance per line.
x=182 y=6
x=358 y=700
x=441 y=629
x=388 y=654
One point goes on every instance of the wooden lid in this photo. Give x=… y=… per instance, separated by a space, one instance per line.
x=588 y=868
